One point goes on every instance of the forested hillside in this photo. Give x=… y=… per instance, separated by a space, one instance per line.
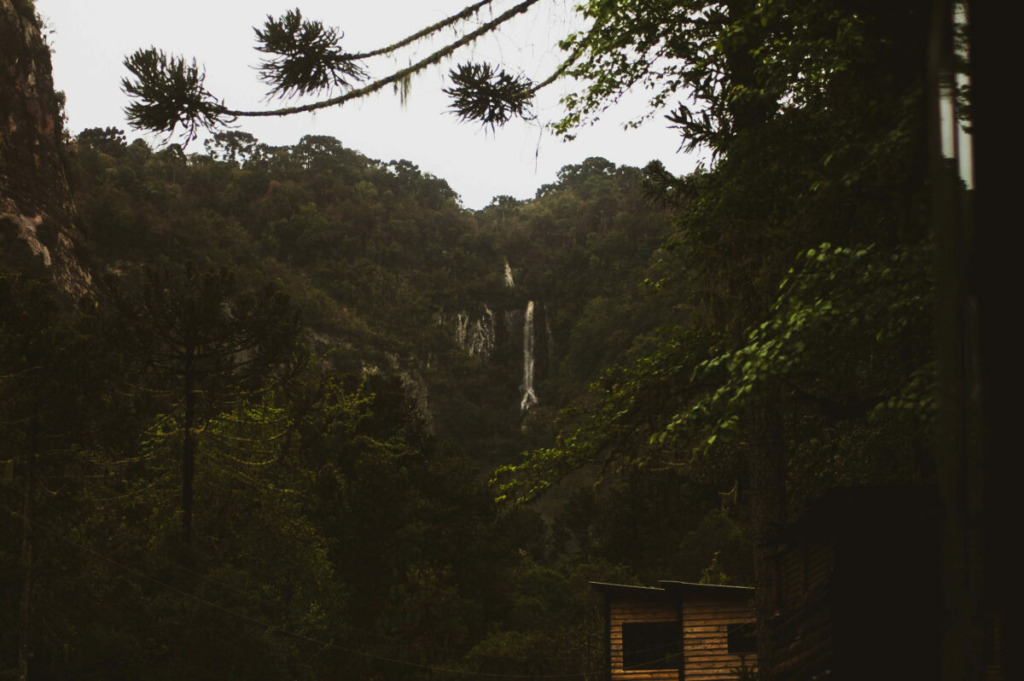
x=312 y=418
x=296 y=372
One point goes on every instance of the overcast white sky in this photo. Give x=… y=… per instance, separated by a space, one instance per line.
x=92 y=37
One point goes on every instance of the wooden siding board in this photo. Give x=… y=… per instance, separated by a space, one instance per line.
x=706 y=639
x=646 y=675
x=704 y=632
x=626 y=610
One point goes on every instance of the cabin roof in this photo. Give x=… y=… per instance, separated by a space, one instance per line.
x=685 y=589
x=673 y=589
x=629 y=590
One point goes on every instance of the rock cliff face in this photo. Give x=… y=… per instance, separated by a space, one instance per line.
x=36 y=210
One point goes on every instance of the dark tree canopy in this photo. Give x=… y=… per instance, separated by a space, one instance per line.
x=713 y=353
x=204 y=341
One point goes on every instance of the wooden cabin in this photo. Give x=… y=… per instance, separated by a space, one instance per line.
x=678 y=631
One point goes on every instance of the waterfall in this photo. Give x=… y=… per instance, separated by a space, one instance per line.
x=480 y=339
x=476 y=337
x=509 y=281
x=461 y=329
x=529 y=396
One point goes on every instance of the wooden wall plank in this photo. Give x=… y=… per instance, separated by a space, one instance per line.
x=704 y=637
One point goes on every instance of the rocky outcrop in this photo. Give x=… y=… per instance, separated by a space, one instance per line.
x=35 y=202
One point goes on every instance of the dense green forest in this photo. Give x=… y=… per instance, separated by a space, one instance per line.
x=318 y=420
x=292 y=323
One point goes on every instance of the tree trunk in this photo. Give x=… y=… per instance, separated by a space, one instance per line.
x=749 y=110
x=188 y=456
x=767 y=461
x=25 y=606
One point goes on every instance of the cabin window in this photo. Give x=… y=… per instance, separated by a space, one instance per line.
x=651 y=645
x=742 y=638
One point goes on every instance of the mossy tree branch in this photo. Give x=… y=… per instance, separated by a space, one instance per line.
x=169 y=92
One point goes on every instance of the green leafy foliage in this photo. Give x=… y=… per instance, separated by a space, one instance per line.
x=202 y=341
x=715 y=67
x=779 y=393
x=867 y=306
x=329 y=519
x=758 y=335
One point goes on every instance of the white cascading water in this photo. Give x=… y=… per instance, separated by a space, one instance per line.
x=461 y=329
x=529 y=396
x=481 y=338
x=509 y=281
x=475 y=337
